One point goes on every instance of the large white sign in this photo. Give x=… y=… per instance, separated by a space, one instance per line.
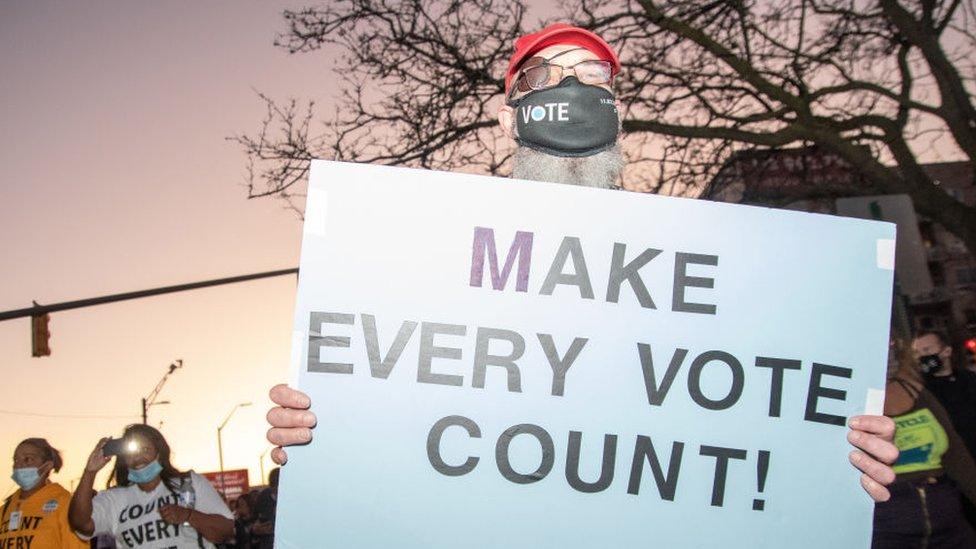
x=503 y=363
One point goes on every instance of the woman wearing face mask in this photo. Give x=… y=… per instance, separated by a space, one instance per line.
x=36 y=515
x=149 y=502
x=933 y=473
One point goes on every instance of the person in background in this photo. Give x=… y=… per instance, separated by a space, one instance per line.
x=933 y=471
x=243 y=519
x=36 y=515
x=151 y=504
x=265 y=510
x=955 y=389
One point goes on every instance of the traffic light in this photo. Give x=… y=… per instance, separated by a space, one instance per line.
x=40 y=334
x=970 y=346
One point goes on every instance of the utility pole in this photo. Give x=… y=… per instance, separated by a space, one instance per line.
x=151 y=399
x=261 y=461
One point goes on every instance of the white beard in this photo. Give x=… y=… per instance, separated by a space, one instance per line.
x=602 y=169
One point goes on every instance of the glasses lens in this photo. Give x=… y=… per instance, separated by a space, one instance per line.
x=593 y=72
x=536 y=77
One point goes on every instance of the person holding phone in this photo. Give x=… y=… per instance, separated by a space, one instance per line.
x=36 y=515
x=149 y=503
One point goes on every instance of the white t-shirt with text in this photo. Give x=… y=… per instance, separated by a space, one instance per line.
x=132 y=516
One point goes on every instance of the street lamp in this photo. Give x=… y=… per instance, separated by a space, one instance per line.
x=261 y=461
x=151 y=399
x=220 y=446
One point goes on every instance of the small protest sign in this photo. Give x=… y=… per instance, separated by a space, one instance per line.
x=230 y=484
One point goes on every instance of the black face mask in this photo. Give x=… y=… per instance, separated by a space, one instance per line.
x=570 y=119
x=930 y=364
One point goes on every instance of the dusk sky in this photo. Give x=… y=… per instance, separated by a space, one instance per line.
x=116 y=176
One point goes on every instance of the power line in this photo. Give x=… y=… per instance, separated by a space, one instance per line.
x=68 y=416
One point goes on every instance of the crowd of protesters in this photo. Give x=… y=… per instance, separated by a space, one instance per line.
x=147 y=503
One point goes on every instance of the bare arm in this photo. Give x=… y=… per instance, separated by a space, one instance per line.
x=216 y=528
x=80 y=508
x=957 y=462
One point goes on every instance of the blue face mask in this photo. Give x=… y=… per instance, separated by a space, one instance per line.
x=26 y=477
x=145 y=474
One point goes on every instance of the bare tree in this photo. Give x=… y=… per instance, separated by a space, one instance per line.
x=879 y=83
x=417 y=82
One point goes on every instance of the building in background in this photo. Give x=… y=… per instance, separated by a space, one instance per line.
x=935 y=273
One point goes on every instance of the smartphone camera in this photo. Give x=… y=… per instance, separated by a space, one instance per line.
x=115 y=447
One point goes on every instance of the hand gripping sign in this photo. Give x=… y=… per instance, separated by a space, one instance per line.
x=502 y=363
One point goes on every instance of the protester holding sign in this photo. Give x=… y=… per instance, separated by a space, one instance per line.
x=152 y=504
x=933 y=471
x=554 y=72
x=36 y=515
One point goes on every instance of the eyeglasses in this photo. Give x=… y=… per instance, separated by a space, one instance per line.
x=546 y=74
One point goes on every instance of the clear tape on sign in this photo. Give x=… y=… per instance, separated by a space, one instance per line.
x=886 y=253
x=315 y=212
x=874 y=403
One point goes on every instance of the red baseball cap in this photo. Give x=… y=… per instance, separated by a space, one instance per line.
x=559 y=33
